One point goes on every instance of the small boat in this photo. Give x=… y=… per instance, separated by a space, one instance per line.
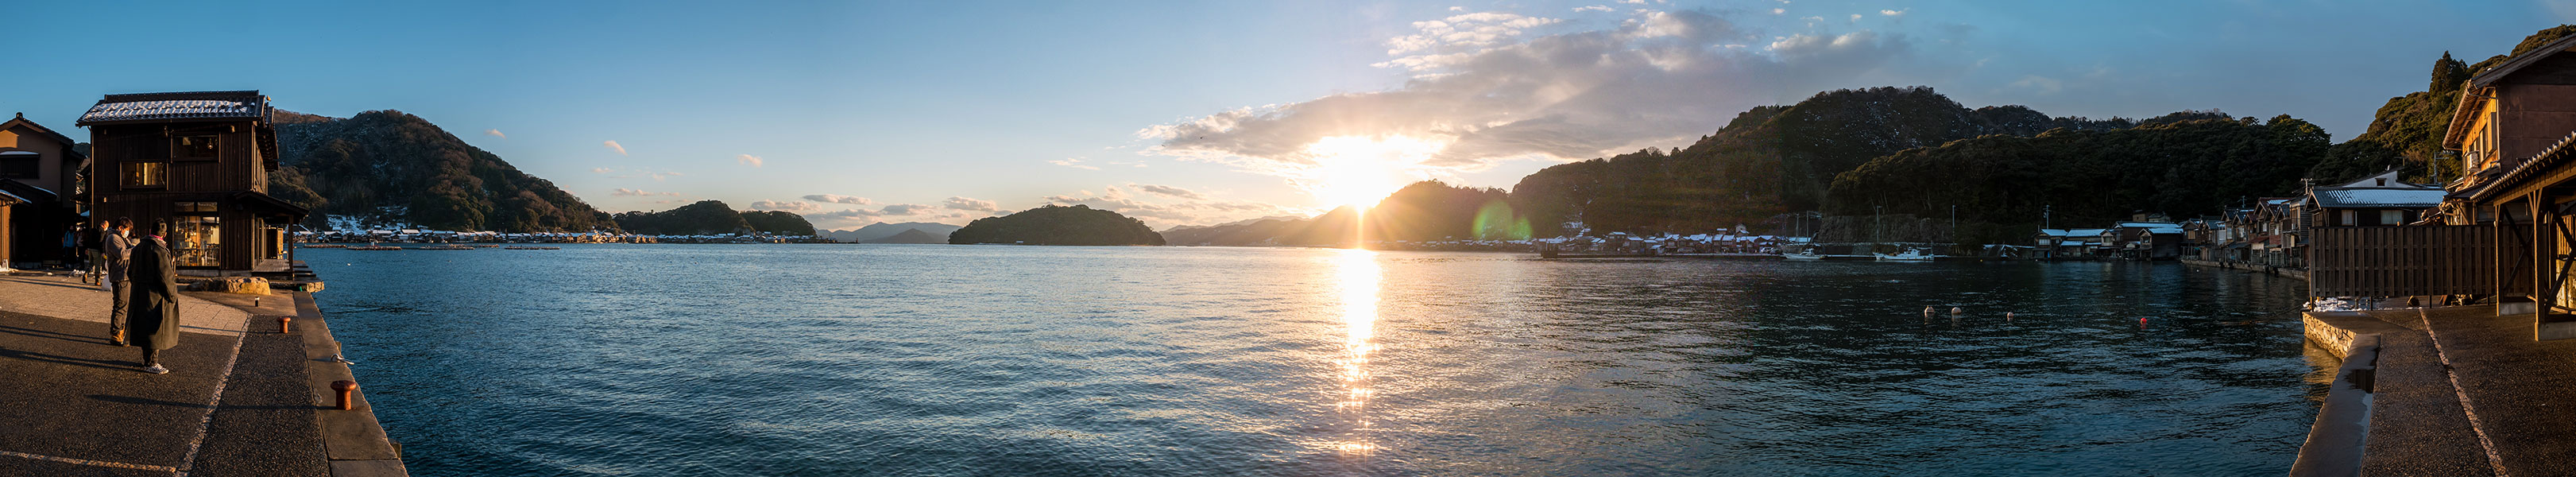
x=325 y=245
x=532 y=248
x=1803 y=255
x=1910 y=255
x=373 y=246
x=447 y=247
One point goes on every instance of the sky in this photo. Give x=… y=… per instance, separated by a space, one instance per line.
x=1193 y=113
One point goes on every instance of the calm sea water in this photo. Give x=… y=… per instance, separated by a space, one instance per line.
x=995 y=360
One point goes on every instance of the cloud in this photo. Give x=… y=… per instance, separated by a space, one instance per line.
x=661 y=175
x=1478 y=29
x=1170 y=191
x=754 y=161
x=1592 y=8
x=1655 y=80
x=839 y=199
x=1855 y=17
x=2042 y=84
x=1894 y=13
x=790 y=206
x=612 y=145
x=1778 y=11
x=906 y=209
x=495 y=133
x=602 y=170
x=1073 y=162
x=1457 y=9
x=975 y=205
x=639 y=193
x=1633 y=2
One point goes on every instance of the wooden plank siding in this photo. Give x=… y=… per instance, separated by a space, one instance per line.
x=2404 y=261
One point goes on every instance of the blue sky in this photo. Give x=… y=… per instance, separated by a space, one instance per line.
x=1194 y=112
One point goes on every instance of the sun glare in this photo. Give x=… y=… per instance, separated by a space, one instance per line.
x=1357 y=171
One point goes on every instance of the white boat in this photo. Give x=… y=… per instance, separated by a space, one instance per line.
x=1803 y=255
x=1910 y=255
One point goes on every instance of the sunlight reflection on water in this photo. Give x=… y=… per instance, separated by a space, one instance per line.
x=1359 y=274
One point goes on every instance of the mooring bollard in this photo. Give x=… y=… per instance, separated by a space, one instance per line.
x=346 y=388
x=285 y=325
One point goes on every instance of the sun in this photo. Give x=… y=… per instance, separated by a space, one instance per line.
x=1357 y=171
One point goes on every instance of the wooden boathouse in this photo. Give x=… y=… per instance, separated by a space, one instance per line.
x=199 y=160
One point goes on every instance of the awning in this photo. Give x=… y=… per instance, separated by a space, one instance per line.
x=264 y=203
x=26 y=193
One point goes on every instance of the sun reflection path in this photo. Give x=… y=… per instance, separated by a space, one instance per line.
x=1359 y=276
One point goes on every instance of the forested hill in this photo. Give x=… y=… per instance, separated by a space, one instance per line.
x=1772 y=160
x=388 y=166
x=2407 y=132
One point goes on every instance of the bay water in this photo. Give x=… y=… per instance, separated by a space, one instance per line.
x=619 y=359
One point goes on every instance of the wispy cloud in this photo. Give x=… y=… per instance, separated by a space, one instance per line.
x=1481 y=99
x=839 y=199
x=1193 y=210
x=1592 y=8
x=638 y=193
x=602 y=170
x=1073 y=162
x=906 y=209
x=1169 y=190
x=613 y=146
x=1894 y=13
x=754 y=161
x=967 y=204
x=495 y=133
x=790 y=206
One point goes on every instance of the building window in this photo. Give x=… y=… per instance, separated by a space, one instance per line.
x=2351 y=217
x=196 y=235
x=147 y=174
x=20 y=165
x=200 y=146
x=2392 y=217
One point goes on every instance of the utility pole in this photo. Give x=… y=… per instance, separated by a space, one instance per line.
x=1954 y=223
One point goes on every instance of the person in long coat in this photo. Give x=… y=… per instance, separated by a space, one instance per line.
x=154 y=281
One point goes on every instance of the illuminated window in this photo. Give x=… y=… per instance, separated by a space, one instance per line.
x=2392 y=217
x=147 y=174
x=193 y=147
x=196 y=235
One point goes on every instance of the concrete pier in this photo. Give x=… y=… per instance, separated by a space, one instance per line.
x=2441 y=391
x=240 y=399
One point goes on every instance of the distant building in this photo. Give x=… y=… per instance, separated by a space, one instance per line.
x=2372 y=201
x=200 y=160
x=39 y=190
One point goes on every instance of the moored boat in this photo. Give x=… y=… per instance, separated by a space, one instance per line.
x=1909 y=255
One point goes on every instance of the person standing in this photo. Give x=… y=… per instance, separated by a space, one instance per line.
x=114 y=246
x=71 y=247
x=155 y=297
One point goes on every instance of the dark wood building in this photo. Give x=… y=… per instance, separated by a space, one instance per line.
x=199 y=160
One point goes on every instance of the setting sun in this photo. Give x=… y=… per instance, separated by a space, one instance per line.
x=1357 y=171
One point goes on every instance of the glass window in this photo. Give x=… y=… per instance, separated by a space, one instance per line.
x=147 y=174
x=195 y=239
x=20 y=165
x=193 y=147
x=2351 y=217
x=2392 y=217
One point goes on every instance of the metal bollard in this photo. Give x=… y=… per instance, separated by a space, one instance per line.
x=285 y=325
x=346 y=388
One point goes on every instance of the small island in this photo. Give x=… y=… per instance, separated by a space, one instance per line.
x=1058 y=225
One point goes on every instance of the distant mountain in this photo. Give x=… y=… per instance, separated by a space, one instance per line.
x=387 y=166
x=912 y=236
x=1422 y=211
x=881 y=230
x=706 y=217
x=1058 y=225
x=778 y=222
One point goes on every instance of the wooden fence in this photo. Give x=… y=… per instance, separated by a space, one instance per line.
x=2405 y=260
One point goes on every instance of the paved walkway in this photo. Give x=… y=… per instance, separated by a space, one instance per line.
x=234 y=403
x=2460 y=391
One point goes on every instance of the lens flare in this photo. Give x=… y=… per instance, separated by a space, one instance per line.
x=1357 y=171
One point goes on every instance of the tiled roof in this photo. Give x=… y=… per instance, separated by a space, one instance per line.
x=153 y=107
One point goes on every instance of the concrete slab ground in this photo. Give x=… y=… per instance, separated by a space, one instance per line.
x=2460 y=391
x=238 y=400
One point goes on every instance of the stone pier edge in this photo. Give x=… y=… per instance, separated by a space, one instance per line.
x=353 y=441
x=2336 y=442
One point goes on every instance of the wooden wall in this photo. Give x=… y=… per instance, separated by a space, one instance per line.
x=237 y=167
